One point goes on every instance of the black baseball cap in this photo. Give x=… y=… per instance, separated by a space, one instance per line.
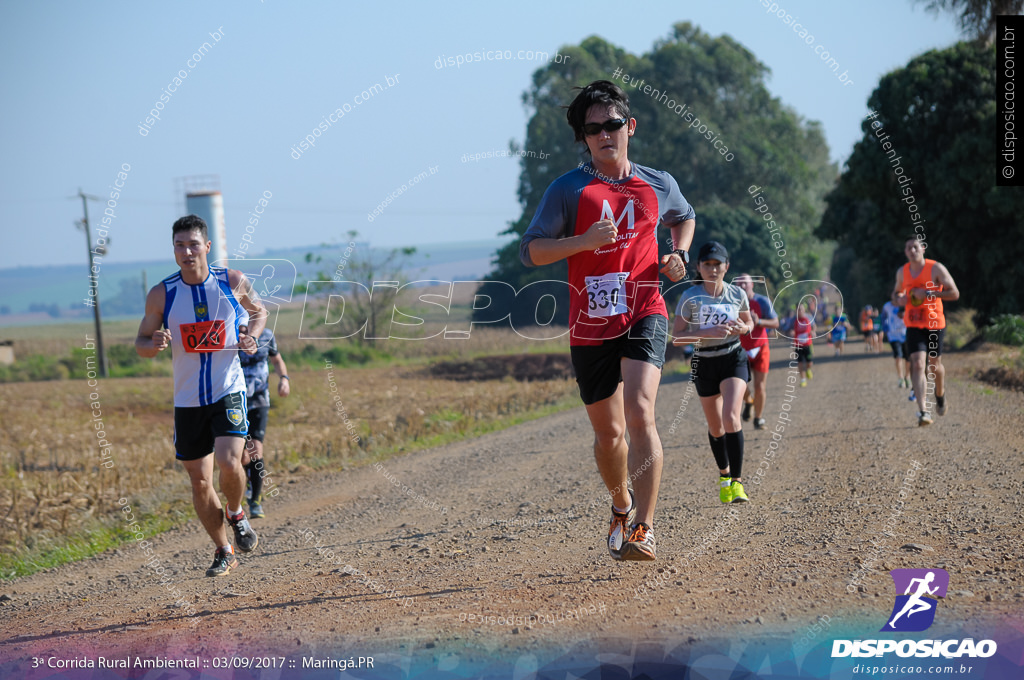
x=713 y=250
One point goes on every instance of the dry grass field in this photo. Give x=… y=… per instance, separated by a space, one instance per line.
x=60 y=484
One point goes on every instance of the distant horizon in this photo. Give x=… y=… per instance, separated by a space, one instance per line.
x=62 y=288
x=257 y=255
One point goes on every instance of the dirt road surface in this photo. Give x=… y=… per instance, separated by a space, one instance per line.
x=486 y=557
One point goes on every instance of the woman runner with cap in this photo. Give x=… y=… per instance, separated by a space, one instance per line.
x=716 y=314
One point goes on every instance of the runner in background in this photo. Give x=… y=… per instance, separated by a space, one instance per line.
x=840 y=330
x=896 y=335
x=921 y=287
x=803 y=343
x=256 y=369
x=716 y=315
x=867 y=327
x=756 y=346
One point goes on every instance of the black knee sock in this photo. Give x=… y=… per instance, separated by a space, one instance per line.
x=255 y=480
x=734 y=447
x=718 y=448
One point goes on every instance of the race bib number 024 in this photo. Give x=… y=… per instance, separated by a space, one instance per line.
x=717 y=314
x=203 y=336
x=606 y=295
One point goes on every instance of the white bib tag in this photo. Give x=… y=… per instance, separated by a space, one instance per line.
x=606 y=295
x=712 y=315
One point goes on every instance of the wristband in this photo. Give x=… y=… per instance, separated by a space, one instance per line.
x=284 y=377
x=683 y=255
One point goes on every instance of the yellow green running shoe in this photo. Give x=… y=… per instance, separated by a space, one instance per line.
x=738 y=494
x=725 y=489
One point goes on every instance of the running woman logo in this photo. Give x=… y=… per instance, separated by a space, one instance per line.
x=914 y=610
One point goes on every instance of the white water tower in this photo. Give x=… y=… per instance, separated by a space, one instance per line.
x=203 y=198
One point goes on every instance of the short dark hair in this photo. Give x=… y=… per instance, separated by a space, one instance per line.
x=191 y=223
x=597 y=92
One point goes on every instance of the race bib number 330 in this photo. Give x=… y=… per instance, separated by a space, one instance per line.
x=606 y=295
x=203 y=336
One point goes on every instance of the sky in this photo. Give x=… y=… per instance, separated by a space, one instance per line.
x=80 y=80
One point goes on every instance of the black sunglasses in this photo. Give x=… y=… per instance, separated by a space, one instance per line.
x=612 y=125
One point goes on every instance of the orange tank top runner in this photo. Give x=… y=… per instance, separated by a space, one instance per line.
x=866 y=322
x=925 y=313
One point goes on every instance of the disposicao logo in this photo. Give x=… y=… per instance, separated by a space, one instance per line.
x=914 y=611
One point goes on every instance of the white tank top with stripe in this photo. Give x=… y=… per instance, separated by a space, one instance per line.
x=203 y=320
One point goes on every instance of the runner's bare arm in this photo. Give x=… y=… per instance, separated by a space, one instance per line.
x=745 y=324
x=942 y=277
x=284 y=385
x=682 y=234
x=548 y=250
x=899 y=298
x=765 y=322
x=251 y=302
x=151 y=340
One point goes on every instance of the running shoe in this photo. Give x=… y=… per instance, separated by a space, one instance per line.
x=899 y=383
x=810 y=375
x=738 y=494
x=245 y=538
x=924 y=418
x=223 y=563
x=747 y=405
x=759 y=424
x=912 y=397
x=641 y=545
x=618 y=530
x=803 y=382
x=256 y=510
x=725 y=489
x=940 y=405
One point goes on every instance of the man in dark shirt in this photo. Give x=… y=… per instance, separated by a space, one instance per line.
x=257 y=387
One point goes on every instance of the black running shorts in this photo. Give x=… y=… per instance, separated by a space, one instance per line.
x=197 y=427
x=924 y=340
x=707 y=373
x=258 y=422
x=598 y=368
x=804 y=353
x=897 y=350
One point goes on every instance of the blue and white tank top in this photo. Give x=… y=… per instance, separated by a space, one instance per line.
x=203 y=320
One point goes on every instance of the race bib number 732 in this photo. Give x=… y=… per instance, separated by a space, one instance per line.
x=203 y=336
x=717 y=314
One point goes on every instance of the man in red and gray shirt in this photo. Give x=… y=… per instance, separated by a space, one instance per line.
x=756 y=346
x=603 y=217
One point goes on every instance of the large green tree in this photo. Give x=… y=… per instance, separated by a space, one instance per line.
x=977 y=18
x=939 y=115
x=723 y=84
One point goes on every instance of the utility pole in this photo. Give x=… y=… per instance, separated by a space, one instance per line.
x=94 y=290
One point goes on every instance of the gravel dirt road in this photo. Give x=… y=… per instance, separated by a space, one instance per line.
x=487 y=556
